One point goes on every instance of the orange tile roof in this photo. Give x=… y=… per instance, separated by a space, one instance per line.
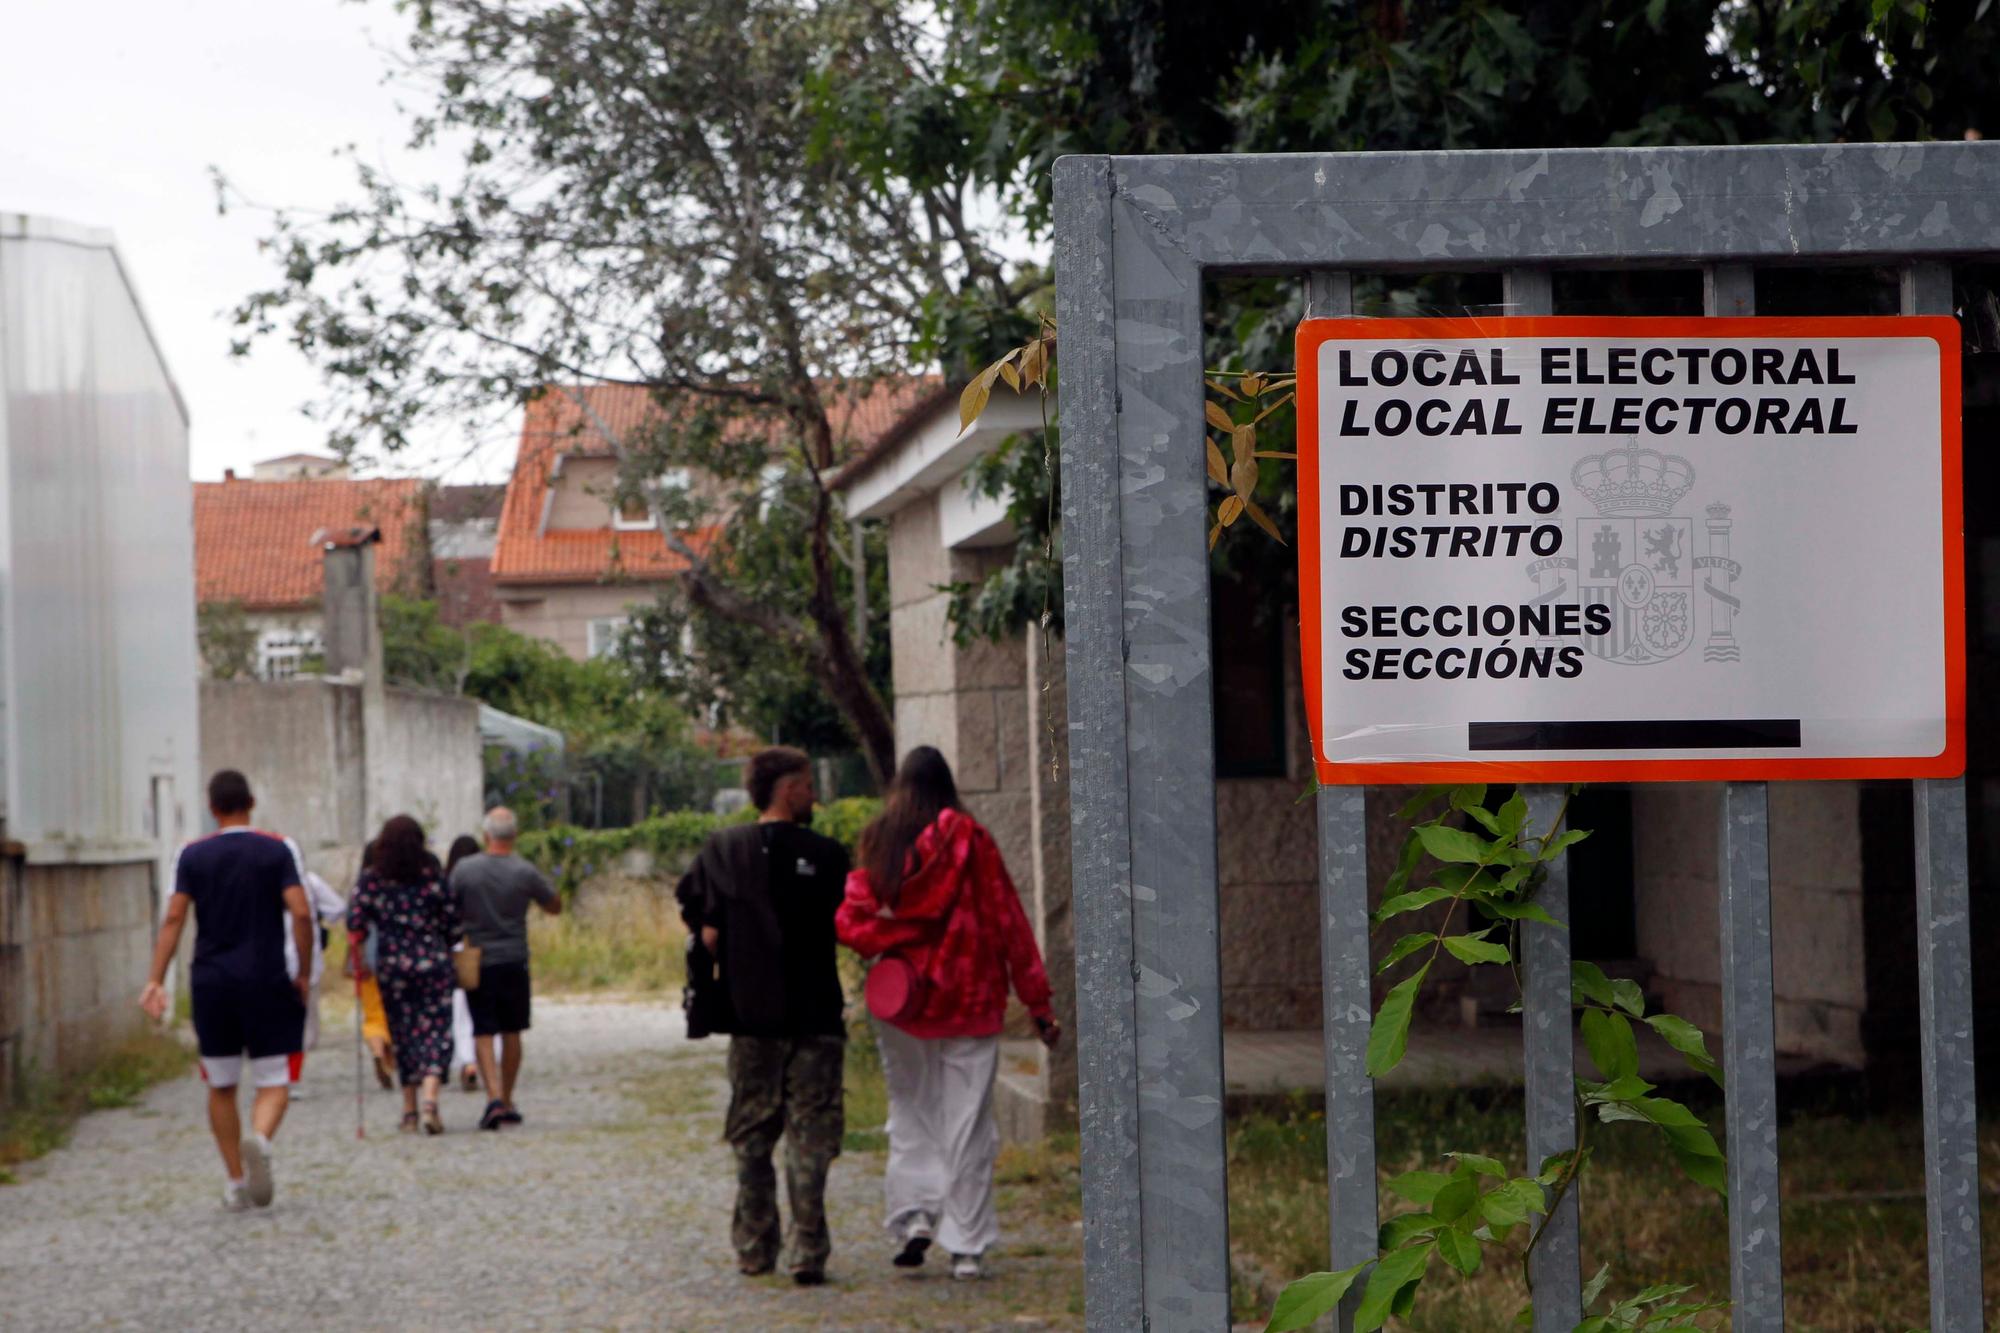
x=253 y=539
x=575 y=421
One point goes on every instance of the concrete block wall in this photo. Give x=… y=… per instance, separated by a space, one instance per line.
x=302 y=745
x=1819 y=947
x=75 y=942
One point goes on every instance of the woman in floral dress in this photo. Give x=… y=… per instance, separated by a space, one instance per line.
x=402 y=898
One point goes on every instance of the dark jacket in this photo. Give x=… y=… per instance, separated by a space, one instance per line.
x=777 y=958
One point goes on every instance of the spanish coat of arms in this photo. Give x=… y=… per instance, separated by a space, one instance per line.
x=1638 y=557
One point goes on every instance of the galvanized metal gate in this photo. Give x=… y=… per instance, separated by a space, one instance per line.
x=1135 y=238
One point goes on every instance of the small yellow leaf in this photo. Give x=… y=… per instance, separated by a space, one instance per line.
x=1214 y=533
x=1272 y=408
x=1242 y=442
x=1011 y=375
x=1252 y=385
x=973 y=401
x=1034 y=361
x=1223 y=389
x=1243 y=477
x=1262 y=519
x=1228 y=511
x=1218 y=470
x=1273 y=453
x=1217 y=416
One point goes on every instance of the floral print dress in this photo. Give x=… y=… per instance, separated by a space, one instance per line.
x=414 y=926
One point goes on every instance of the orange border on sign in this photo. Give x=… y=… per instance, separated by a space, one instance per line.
x=1941 y=329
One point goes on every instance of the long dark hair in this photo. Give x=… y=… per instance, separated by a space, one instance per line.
x=462 y=846
x=399 y=852
x=922 y=790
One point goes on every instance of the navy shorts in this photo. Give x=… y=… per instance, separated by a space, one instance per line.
x=500 y=1002
x=235 y=1018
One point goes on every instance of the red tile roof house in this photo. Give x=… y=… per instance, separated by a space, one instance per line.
x=254 y=546
x=568 y=566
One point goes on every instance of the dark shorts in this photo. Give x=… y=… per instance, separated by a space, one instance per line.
x=236 y=1018
x=500 y=1002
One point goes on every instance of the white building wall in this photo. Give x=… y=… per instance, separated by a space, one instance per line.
x=97 y=603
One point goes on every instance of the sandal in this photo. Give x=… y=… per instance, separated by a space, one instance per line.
x=409 y=1125
x=433 y=1123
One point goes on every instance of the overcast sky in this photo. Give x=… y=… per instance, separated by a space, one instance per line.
x=116 y=109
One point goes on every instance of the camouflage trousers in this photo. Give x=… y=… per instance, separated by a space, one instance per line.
x=789 y=1087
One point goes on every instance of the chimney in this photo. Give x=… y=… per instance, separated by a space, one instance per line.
x=229 y=474
x=352 y=643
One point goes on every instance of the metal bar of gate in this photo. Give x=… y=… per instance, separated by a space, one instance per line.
x=1170 y=756
x=1100 y=817
x=1749 y=1030
x=1346 y=1002
x=1547 y=1030
x=1944 y=991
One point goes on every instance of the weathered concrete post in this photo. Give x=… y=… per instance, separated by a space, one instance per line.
x=353 y=648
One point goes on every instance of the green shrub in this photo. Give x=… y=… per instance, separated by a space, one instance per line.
x=569 y=855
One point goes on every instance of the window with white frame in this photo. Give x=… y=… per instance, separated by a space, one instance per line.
x=604 y=633
x=282 y=652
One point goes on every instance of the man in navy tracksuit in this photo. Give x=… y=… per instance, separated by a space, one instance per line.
x=245 y=888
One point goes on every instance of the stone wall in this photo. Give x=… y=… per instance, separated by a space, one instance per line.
x=75 y=941
x=301 y=743
x=1819 y=948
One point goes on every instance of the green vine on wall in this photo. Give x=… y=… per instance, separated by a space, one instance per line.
x=1491 y=862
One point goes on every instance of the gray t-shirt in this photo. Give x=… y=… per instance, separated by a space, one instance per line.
x=493 y=896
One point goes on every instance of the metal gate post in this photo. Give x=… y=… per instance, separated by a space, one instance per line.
x=1134 y=238
x=1944 y=993
x=1548 y=1033
x=1100 y=821
x=1749 y=1025
x=1346 y=1000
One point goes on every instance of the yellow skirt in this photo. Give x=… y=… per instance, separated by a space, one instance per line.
x=374 y=1022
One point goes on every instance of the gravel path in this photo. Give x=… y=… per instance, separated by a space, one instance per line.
x=608 y=1209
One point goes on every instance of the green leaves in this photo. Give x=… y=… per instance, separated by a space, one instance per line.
x=1389 y=1035
x=1303 y=1301
x=1608 y=1038
x=1686 y=1038
x=1476 y=949
x=1455 y=845
x=1392 y=1286
x=1404 y=947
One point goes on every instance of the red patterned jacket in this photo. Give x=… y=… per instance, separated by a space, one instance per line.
x=959 y=922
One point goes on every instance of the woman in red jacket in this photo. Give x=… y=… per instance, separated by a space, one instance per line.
x=932 y=894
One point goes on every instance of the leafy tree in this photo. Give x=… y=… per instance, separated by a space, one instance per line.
x=1029 y=80
x=646 y=199
x=419 y=650
x=731 y=673
x=227 y=640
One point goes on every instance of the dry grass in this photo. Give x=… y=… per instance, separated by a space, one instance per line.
x=617 y=934
x=1853 y=1215
x=47 y=1109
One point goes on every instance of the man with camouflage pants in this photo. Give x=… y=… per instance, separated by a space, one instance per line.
x=761 y=898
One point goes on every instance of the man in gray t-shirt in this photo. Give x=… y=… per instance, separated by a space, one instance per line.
x=494 y=889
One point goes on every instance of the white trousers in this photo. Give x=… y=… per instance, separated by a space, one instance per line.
x=942 y=1139
x=461 y=1033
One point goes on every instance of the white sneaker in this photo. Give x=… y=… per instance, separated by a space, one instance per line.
x=916 y=1239
x=235 y=1196
x=965 y=1267
x=257 y=1169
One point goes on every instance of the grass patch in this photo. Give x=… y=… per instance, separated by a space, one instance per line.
x=618 y=934
x=1043 y=1176
x=47 y=1109
x=1853 y=1210
x=867 y=1096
